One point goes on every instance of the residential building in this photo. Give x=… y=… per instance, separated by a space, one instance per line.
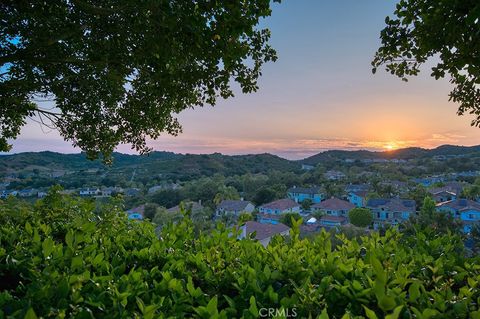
x=131 y=192
x=234 y=207
x=299 y=194
x=334 y=175
x=390 y=211
x=356 y=188
x=263 y=232
x=136 y=213
x=27 y=192
x=6 y=193
x=465 y=210
x=306 y=167
x=90 y=191
x=271 y=213
x=279 y=207
x=333 y=221
x=358 y=198
x=334 y=207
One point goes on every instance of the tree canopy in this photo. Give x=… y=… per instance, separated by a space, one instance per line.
x=119 y=71
x=447 y=30
x=360 y=217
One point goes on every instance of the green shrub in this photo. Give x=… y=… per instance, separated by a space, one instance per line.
x=360 y=217
x=62 y=260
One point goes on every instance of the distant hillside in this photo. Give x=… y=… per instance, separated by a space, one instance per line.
x=165 y=164
x=168 y=165
x=405 y=153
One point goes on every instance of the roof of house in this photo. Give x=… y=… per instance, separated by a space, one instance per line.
x=333 y=219
x=281 y=204
x=137 y=210
x=454 y=190
x=392 y=204
x=461 y=204
x=304 y=190
x=264 y=230
x=356 y=187
x=360 y=193
x=334 y=204
x=233 y=205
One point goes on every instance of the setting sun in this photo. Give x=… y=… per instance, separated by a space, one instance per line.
x=389 y=147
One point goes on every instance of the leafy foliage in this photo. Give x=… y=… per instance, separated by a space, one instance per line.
x=422 y=29
x=360 y=217
x=59 y=259
x=123 y=70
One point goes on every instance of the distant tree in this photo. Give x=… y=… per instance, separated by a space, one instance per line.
x=318 y=214
x=427 y=211
x=360 y=217
x=288 y=217
x=446 y=31
x=119 y=71
x=226 y=193
x=245 y=217
x=418 y=194
x=264 y=195
x=471 y=192
x=306 y=204
x=150 y=210
x=166 y=197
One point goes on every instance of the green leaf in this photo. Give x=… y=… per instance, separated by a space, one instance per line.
x=414 y=291
x=387 y=303
x=98 y=259
x=28 y=228
x=47 y=247
x=395 y=314
x=324 y=314
x=369 y=313
x=30 y=314
x=212 y=306
x=253 y=306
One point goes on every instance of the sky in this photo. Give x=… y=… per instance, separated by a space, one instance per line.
x=319 y=95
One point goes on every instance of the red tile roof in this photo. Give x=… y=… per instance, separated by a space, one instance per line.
x=265 y=230
x=281 y=204
x=334 y=204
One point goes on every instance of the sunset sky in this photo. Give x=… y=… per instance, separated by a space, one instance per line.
x=320 y=94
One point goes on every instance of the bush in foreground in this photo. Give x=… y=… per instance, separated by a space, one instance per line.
x=59 y=259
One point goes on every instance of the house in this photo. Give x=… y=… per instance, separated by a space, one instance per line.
x=465 y=210
x=299 y=194
x=136 y=213
x=109 y=191
x=334 y=207
x=306 y=167
x=157 y=188
x=263 y=232
x=334 y=175
x=333 y=221
x=271 y=213
x=89 y=192
x=234 y=207
x=358 y=198
x=390 y=211
x=441 y=195
x=6 y=193
x=356 y=188
x=279 y=207
x=27 y=192
x=132 y=192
